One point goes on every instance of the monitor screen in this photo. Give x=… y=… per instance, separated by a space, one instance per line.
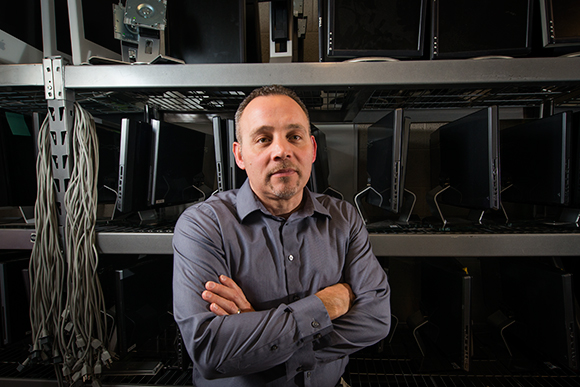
x=92 y=30
x=369 y=28
x=177 y=155
x=109 y=152
x=387 y=144
x=540 y=298
x=320 y=168
x=465 y=29
x=465 y=159
x=535 y=160
x=21 y=32
x=560 y=25
x=134 y=166
x=446 y=303
x=17 y=160
x=143 y=311
x=237 y=176
x=206 y=31
x=14 y=316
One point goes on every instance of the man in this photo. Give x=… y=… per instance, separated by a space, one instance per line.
x=275 y=285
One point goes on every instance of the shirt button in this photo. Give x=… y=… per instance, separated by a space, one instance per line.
x=274 y=347
x=290 y=257
x=308 y=374
x=315 y=324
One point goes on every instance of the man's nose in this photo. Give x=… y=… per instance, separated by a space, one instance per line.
x=280 y=148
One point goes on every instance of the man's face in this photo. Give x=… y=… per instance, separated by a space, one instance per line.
x=275 y=148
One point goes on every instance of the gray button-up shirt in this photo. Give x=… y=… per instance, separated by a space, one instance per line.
x=279 y=264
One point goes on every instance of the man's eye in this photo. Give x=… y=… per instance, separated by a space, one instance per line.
x=262 y=140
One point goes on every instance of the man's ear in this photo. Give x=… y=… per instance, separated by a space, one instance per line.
x=237 y=149
x=315 y=146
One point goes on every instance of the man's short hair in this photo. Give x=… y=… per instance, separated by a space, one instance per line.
x=263 y=92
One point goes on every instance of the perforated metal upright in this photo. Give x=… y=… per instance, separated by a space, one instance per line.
x=61 y=117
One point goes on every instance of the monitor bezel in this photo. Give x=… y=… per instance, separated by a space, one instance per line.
x=330 y=53
x=549 y=25
x=434 y=43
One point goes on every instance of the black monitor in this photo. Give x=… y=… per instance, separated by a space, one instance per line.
x=109 y=137
x=535 y=161
x=21 y=32
x=17 y=160
x=465 y=163
x=387 y=145
x=368 y=28
x=575 y=162
x=134 y=166
x=14 y=288
x=237 y=176
x=229 y=175
x=466 y=29
x=560 y=23
x=446 y=303
x=206 y=31
x=540 y=298
x=143 y=301
x=318 y=181
x=177 y=155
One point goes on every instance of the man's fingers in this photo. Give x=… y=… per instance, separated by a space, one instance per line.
x=219 y=305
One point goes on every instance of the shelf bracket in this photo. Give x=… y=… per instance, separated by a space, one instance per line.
x=60 y=103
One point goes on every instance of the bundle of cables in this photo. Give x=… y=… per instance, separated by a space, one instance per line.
x=67 y=308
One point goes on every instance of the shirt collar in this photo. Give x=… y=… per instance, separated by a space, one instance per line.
x=247 y=202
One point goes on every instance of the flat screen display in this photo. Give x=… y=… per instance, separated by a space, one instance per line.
x=464 y=29
x=535 y=161
x=371 y=28
x=465 y=160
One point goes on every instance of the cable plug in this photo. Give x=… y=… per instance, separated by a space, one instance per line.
x=98 y=369
x=96 y=343
x=65 y=370
x=81 y=342
x=68 y=327
x=85 y=372
x=23 y=365
x=106 y=357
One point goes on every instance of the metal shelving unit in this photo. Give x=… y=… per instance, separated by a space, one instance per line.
x=333 y=92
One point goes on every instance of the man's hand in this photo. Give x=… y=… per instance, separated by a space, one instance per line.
x=226 y=297
x=337 y=299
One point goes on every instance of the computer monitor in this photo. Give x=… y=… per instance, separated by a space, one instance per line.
x=17 y=160
x=92 y=30
x=229 y=175
x=387 y=144
x=21 y=32
x=575 y=162
x=465 y=163
x=56 y=29
x=15 y=318
x=109 y=137
x=560 y=23
x=385 y=29
x=318 y=181
x=540 y=298
x=535 y=161
x=206 y=31
x=446 y=290
x=466 y=29
x=177 y=155
x=134 y=166
x=143 y=311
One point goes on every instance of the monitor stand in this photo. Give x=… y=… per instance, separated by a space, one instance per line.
x=409 y=199
x=570 y=216
x=27 y=213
